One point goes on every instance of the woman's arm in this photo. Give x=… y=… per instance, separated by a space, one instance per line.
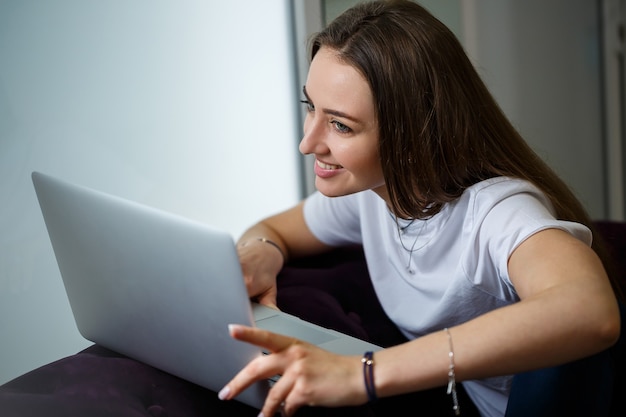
x=567 y=311
x=265 y=247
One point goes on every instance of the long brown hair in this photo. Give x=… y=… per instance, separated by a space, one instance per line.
x=440 y=129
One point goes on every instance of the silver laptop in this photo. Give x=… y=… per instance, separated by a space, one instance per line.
x=162 y=289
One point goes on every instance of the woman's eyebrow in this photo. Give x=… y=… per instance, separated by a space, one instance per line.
x=331 y=111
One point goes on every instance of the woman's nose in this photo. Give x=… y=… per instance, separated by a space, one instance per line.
x=307 y=142
x=311 y=137
x=305 y=146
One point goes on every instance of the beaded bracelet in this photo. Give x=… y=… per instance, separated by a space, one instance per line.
x=452 y=377
x=368 y=376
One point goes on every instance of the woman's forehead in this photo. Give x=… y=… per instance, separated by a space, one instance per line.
x=332 y=81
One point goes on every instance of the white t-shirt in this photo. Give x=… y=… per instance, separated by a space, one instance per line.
x=437 y=273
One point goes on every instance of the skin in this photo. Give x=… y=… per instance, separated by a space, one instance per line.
x=556 y=276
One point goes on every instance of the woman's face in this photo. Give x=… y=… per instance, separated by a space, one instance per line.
x=341 y=129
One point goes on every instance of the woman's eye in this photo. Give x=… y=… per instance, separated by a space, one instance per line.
x=340 y=127
x=309 y=106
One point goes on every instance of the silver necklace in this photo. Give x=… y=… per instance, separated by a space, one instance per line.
x=401 y=230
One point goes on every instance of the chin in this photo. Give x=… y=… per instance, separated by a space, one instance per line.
x=334 y=191
x=327 y=193
x=338 y=188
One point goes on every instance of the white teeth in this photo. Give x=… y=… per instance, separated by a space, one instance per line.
x=327 y=166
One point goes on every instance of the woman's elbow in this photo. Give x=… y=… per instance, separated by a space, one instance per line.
x=608 y=330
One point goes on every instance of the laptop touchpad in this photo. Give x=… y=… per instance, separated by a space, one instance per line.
x=295 y=328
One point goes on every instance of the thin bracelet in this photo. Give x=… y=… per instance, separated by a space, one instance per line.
x=266 y=240
x=368 y=376
x=452 y=377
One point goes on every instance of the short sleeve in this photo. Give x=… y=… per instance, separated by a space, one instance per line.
x=501 y=226
x=333 y=220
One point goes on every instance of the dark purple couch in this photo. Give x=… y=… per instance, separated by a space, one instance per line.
x=334 y=291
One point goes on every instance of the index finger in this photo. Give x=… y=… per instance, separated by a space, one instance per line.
x=273 y=342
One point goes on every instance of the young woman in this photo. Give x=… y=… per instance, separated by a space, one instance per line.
x=476 y=250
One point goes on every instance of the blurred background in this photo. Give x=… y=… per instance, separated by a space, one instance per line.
x=192 y=107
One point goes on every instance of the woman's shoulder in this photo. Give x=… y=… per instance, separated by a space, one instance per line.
x=501 y=202
x=502 y=186
x=514 y=206
x=493 y=191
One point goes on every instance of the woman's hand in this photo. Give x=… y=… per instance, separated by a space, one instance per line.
x=310 y=376
x=260 y=264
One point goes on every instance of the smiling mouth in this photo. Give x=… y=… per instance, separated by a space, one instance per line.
x=327 y=166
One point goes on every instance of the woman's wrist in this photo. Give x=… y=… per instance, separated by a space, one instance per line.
x=274 y=244
x=268 y=242
x=368 y=376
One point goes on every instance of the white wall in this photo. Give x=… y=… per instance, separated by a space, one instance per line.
x=188 y=106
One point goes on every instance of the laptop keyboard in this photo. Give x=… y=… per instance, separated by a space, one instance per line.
x=284 y=325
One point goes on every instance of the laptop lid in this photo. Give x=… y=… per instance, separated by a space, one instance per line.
x=151 y=285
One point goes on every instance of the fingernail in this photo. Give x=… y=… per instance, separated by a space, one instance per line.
x=223 y=394
x=261 y=414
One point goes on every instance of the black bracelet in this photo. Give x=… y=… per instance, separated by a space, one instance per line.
x=368 y=376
